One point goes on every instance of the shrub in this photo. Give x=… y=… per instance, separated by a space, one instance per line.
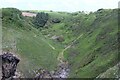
x=40 y=19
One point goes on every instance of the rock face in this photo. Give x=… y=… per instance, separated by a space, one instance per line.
x=9 y=65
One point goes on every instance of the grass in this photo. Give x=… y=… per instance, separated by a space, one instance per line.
x=110 y=73
x=36 y=52
x=96 y=51
x=31 y=46
x=100 y=39
x=90 y=55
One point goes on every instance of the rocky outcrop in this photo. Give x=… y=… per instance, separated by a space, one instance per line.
x=58 y=38
x=42 y=73
x=56 y=21
x=9 y=65
x=62 y=71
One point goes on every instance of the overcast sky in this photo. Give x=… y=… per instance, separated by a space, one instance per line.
x=60 y=5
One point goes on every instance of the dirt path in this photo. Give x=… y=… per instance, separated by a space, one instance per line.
x=49 y=44
x=61 y=57
x=63 y=67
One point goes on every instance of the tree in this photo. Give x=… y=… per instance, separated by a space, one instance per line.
x=40 y=19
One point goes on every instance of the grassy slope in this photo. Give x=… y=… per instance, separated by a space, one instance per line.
x=97 y=49
x=112 y=72
x=28 y=43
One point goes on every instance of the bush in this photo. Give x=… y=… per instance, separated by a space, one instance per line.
x=40 y=19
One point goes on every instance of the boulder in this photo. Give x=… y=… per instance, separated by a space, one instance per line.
x=9 y=65
x=56 y=21
x=58 y=38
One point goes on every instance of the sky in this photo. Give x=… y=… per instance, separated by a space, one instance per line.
x=60 y=5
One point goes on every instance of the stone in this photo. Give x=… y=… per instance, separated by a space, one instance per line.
x=56 y=21
x=9 y=65
x=58 y=38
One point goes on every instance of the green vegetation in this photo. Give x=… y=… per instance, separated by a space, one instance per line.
x=92 y=39
x=113 y=72
x=97 y=49
x=27 y=42
x=40 y=19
